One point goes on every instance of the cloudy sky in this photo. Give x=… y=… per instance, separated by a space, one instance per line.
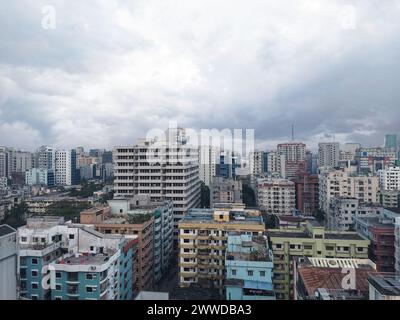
x=111 y=70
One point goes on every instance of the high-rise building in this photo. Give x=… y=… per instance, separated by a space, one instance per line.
x=65 y=261
x=389 y=199
x=389 y=180
x=225 y=191
x=306 y=185
x=311 y=240
x=276 y=164
x=203 y=235
x=295 y=158
x=5 y=162
x=276 y=196
x=340 y=183
x=293 y=151
x=391 y=141
x=328 y=154
x=249 y=264
x=163 y=171
x=8 y=263
x=208 y=164
x=65 y=168
x=46 y=158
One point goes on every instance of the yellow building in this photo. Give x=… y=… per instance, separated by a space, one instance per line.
x=203 y=237
x=311 y=240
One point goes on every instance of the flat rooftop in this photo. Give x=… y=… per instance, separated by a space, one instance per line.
x=375 y=222
x=5 y=230
x=386 y=284
x=88 y=259
x=343 y=236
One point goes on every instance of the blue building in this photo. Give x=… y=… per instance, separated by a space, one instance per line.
x=64 y=261
x=249 y=265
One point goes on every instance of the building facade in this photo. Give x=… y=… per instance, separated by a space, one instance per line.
x=249 y=265
x=203 y=236
x=163 y=172
x=276 y=196
x=8 y=263
x=65 y=261
x=328 y=154
x=311 y=240
x=225 y=191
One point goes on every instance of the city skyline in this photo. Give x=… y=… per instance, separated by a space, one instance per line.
x=110 y=71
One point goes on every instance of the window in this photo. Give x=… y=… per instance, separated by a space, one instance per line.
x=318 y=236
x=250 y=273
x=329 y=248
x=43 y=240
x=91 y=248
x=89 y=289
x=34 y=273
x=72 y=236
x=24 y=239
x=278 y=246
x=234 y=272
x=34 y=285
x=58 y=275
x=262 y=273
x=89 y=276
x=360 y=249
x=58 y=287
x=307 y=247
x=292 y=246
x=34 y=261
x=34 y=297
x=221 y=216
x=57 y=298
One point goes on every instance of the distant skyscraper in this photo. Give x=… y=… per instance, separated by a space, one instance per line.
x=328 y=154
x=391 y=141
x=65 y=167
x=295 y=155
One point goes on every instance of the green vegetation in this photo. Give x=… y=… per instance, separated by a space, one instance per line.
x=108 y=196
x=16 y=217
x=87 y=190
x=70 y=210
x=205 y=196
x=249 y=197
x=320 y=215
x=139 y=218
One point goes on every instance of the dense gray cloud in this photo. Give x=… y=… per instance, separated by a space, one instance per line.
x=114 y=69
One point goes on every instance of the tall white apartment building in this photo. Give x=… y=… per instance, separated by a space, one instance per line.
x=276 y=164
x=208 y=164
x=65 y=167
x=293 y=151
x=162 y=170
x=389 y=180
x=276 y=196
x=328 y=154
x=340 y=183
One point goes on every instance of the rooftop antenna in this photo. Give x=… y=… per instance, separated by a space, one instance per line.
x=292 y=132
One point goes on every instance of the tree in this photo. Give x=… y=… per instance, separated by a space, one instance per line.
x=16 y=217
x=70 y=210
x=205 y=196
x=320 y=215
x=249 y=197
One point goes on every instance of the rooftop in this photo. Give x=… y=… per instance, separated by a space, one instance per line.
x=88 y=259
x=386 y=284
x=331 y=279
x=6 y=229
